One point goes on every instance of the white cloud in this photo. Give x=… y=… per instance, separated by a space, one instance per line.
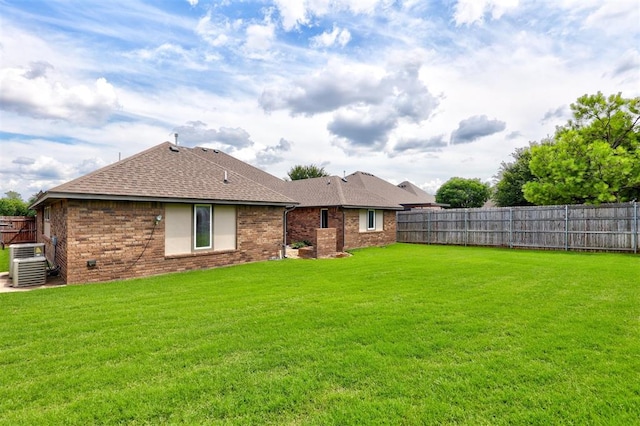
x=471 y=11
x=217 y=33
x=614 y=17
x=193 y=2
x=293 y=13
x=31 y=92
x=337 y=36
x=259 y=40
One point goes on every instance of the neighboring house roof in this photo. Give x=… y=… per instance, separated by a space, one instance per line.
x=169 y=173
x=335 y=191
x=418 y=192
x=358 y=190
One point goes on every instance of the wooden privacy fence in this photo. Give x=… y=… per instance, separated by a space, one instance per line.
x=607 y=227
x=17 y=229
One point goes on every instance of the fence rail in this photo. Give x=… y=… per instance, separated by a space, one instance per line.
x=607 y=227
x=17 y=229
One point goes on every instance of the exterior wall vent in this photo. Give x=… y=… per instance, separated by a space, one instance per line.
x=29 y=271
x=21 y=251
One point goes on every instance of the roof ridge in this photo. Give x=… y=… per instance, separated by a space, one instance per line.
x=111 y=166
x=233 y=172
x=343 y=199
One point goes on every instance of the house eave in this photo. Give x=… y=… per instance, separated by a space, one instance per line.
x=109 y=197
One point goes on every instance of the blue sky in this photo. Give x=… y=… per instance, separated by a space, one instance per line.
x=406 y=90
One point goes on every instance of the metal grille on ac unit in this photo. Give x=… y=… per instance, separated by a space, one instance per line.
x=29 y=271
x=21 y=251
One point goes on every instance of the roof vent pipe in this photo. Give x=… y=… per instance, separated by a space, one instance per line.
x=176 y=136
x=226 y=180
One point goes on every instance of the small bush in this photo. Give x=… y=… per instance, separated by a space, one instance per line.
x=300 y=244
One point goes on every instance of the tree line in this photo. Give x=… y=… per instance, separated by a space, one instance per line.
x=12 y=204
x=594 y=158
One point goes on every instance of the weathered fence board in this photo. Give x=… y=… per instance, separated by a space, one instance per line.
x=17 y=229
x=608 y=227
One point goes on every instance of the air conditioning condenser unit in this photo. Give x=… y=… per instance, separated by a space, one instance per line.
x=29 y=271
x=21 y=251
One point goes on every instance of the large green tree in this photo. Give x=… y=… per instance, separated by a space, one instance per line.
x=13 y=205
x=299 y=172
x=595 y=158
x=462 y=193
x=511 y=177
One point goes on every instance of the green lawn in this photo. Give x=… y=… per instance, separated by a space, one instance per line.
x=4 y=259
x=406 y=334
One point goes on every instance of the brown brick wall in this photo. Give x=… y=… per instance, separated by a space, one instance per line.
x=58 y=228
x=125 y=242
x=325 y=242
x=302 y=223
x=356 y=239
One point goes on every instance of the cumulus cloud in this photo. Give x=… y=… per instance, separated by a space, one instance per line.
x=552 y=114
x=292 y=13
x=361 y=128
x=217 y=33
x=30 y=92
x=334 y=87
x=367 y=103
x=337 y=36
x=37 y=69
x=259 y=40
x=273 y=154
x=197 y=133
x=296 y=13
x=474 y=128
x=431 y=144
x=25 y=161
x=29 y=175
x=630 y=61
x=471 y=11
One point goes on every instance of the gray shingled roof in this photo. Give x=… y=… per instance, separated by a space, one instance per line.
x=173 y=173
x=358 y=190
x=245 y=169
x=418 y=192
x=168 y=172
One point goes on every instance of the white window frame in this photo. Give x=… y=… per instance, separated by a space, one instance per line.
x=371 y=224
x=195 y=227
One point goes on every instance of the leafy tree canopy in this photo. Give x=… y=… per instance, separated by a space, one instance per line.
x=511 y=177
x=305 y=172
x=462 y=193
x=595 y=158
x=13 y=205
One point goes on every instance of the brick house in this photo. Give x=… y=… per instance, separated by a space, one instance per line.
x=361 y=207
x=166 y=209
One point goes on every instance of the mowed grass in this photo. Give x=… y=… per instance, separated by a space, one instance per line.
x=406 y=334
x=4 y=259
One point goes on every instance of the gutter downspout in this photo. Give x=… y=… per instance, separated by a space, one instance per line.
x=284 y=230
x=344 y=231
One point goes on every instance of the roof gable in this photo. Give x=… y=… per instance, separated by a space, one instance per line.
x=167 y=171
x=417 y=191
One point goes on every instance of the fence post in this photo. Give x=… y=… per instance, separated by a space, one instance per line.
x=566 y=227
x=510 y=227
x=466 y=226
x=635 y=227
